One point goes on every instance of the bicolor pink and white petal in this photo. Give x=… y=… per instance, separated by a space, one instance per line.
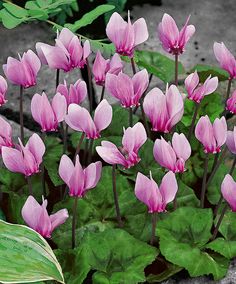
x=79 y=180
x=174 y=41
x=24 y=159
x=48 y=115
x=37 y=217
x=125 y=35
x=126 y=155
x=156 y=198
x=212 y=136
x=67 y=54
x=164 y=111
x=197 y=92
x=79 y=119
x=172 y=157
x=228 y=190
x=23 y=72
x=127 y=90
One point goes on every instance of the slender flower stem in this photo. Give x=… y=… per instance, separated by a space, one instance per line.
x=204 y=184
x=79 y=145
x=154 y=223
x=219 y=222
x=221 y=197
x=118 y=216
x=89 y=87
x=74 y=222
x=216 y=167
x=21 y=115
x=228 y=88
x=215 y=161
x=86 y=151
x=90 y=154
x=65 y=138
x=102 y=94
x=144 y=119
x=130 y=117
x=43 y=169
x=190 y=132
x=57 y=77
x=30 y=185
x=133 y=65
x=176 y=69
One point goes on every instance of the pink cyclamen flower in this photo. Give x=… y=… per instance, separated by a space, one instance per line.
x=156 y=198
x=79 y=180
x=37 y=218
x=23 y=72
x=173 y=40
x=127 y=155
x=197 y=92
x=228 y=190
x=102 y=66
x=67 y=53
x=172 y=157
x=164 y=111
x=3 y=90
x=225 y=58
x=48 y=115
x=124 y=35
x=127 y=90
x=212 y=136
x=5 y=134
x=78 y=118
x=24 y=159
x=75 y=94
x=231 y=103
x=231 y=140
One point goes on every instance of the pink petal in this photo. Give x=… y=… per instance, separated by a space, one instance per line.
x=164 y=154
x=140 y=135
x=230 y=141
x=31 y=212
x=210 y=85
x=14 y=71
x=13 y=160
x=114 y=27
x=204 y=133
x=36 y=146
x=140 y=31
x=128 y=140
x=191 y=82
x=99 y=67
x=92 y=175
x=78 y=118
x=181 y=146
x=66 y=168
x=66 y=36
x=168 y=187
x=59 y=107
x=58 y=218
x=220 y=131
x=228 y=190
x=116 y=64
x=170 y=29
x=175 y=106
x=33 y=61
x=110 y=154
x=140 y=82
x=86 y=49
x=103 y=115
x=76 y=183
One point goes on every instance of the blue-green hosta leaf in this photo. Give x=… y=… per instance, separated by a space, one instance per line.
x=115 y=255
x=157 y=64
x=25 y=256
x=183 y=235
x=89 y=17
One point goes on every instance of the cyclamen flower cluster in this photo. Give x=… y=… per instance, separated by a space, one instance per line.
x=164 y=112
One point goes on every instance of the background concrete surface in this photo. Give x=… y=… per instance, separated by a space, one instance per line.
x=215 y=20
